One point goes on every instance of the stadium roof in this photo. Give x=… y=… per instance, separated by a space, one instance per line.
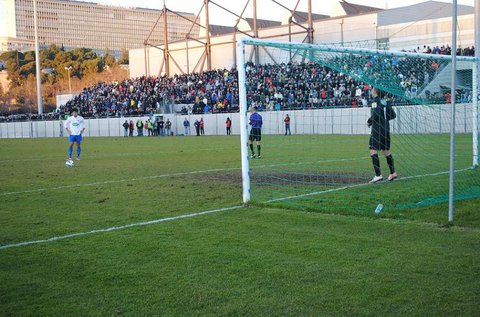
x=220 y=29
x=421 y=11
x=216 y=30
x=262 y=24
x=302 y=17
x=355 y=9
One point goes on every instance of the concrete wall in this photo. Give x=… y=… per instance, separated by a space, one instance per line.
x=413 y=119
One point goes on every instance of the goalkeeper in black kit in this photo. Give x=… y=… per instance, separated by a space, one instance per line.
x=381 y=114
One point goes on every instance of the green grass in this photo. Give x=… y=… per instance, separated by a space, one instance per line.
x=339 y=167
x=257 y=261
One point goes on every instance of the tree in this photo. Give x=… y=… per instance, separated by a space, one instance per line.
x=87 y=68
x=63 y=58
x=124 y=58
x=108 y=59
x=12 y=55
x=29 y=56
x=13 y=71
x=50 y=53
x=4 y=100
x=28 y=69
x=92 y=66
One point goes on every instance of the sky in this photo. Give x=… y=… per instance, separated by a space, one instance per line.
x=266 y=9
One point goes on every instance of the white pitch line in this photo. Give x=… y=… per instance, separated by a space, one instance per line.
x=138 y=224
x=360 y=185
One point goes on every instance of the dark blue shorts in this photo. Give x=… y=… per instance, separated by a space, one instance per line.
x=255 y=134
x=75 y=138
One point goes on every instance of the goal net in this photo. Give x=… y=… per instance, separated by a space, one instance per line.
x=320 y=158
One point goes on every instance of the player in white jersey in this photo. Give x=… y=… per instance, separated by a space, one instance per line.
x=75 y=125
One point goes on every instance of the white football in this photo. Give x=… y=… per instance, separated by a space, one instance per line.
x=69 y=163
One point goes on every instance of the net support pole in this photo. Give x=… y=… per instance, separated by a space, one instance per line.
x=242 y=91
x=37 y=61
x=451 y=193
x=476 y=84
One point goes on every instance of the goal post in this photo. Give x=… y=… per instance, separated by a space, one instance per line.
x=327 y=93
x=242 y=94
x=475 y=101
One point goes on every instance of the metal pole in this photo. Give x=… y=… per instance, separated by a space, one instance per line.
x=243 y=120
x=188 y=61
x=69 y=83
x=255 y=32
x=165 y=42
x=234 y=46
x=310 y=23
x=37 y=61
x=148 y=61
x=235 y=29
x=476 y=84
x=290 y=56
x=145 y=57
x=341 y=32
x=208 y=48
x=451 y=193
x=69 y=79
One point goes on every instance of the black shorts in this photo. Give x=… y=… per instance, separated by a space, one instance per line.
x=255 y=134
x=379 y=141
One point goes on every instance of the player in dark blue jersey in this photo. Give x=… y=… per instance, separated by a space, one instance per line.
x=256 y=132
x=381 y=114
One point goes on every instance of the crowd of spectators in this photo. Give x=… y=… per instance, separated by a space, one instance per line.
x=269 y=87
x=444 y=50
x=207 y=92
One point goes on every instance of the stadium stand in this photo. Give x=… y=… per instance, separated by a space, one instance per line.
x=279 y=87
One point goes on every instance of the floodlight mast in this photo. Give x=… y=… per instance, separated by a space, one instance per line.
x=37 y=61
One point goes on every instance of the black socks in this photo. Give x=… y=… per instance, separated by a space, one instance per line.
x=376 y=164
x=390 y=164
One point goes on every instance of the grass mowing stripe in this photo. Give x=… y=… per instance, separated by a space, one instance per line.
x=201 y=213
x=57 y=157
x=119 y=181
x=168 y=175
x=311 y=162
x=361 y=185
x=394 y=221
x=138 y=224
x=222 y=170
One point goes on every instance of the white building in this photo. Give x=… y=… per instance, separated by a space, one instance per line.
x=75 y=24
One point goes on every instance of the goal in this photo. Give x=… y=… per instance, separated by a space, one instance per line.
x=325 y=163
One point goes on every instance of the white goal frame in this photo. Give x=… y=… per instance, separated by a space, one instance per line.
x=241 y=59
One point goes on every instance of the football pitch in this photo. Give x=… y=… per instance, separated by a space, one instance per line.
x=155 y=227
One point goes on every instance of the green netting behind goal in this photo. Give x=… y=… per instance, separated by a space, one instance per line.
x=325 y=163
